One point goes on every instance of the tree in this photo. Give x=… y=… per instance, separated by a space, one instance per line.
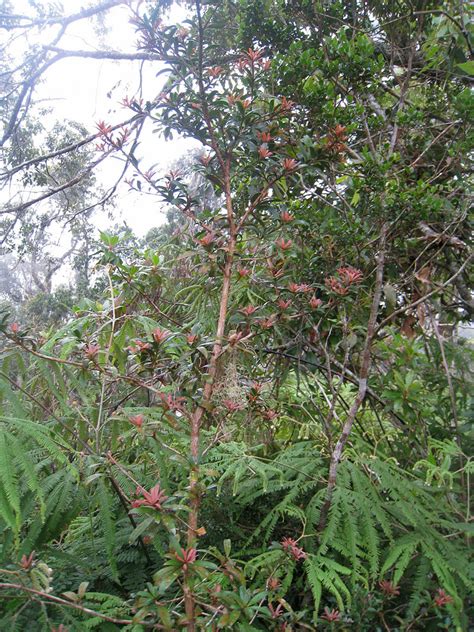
x=264 y=413
x=50 y=166
x=34 y=259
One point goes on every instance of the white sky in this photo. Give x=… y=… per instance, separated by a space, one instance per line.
x=77 y=89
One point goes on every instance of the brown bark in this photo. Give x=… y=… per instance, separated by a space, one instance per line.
x=210 y=375
x=209 y=380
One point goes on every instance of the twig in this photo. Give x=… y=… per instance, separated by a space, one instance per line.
x=405 y=308
x=72 y=604
x=67 y=149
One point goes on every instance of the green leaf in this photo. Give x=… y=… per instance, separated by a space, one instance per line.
x=467 y=67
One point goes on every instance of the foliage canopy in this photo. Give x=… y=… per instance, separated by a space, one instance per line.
x=263 y=421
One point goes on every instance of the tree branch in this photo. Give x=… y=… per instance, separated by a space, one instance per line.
x=112 y=55
x=71 y=604
x=366 y=364
x=405 y=308
x=67 y=149
x=67 y=185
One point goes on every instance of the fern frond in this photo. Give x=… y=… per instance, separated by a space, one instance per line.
x=9 y=479
x=105 y=504
x=323 y=572
x=406 y=545
x=420 y=584
x=25 y=464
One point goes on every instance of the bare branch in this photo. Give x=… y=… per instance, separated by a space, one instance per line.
x=438 y=289
x=113 y=55
x=70 y=604
x=28 y=87
x=64 y=20
x=67 y=149
x=67 y=185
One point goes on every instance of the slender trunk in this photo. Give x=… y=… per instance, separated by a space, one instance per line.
x=210 y=375
x=207 y=393
x=196 y=419
x=209 y=380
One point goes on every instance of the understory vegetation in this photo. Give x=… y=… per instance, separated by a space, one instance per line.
x=258 y=417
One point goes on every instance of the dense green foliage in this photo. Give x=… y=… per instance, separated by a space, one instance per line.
x=263 y=421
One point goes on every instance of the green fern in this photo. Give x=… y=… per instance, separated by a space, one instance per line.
x=23 y=446
x=325 y=573
x=381 y=519
x=9 y=478
x=105 y=505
